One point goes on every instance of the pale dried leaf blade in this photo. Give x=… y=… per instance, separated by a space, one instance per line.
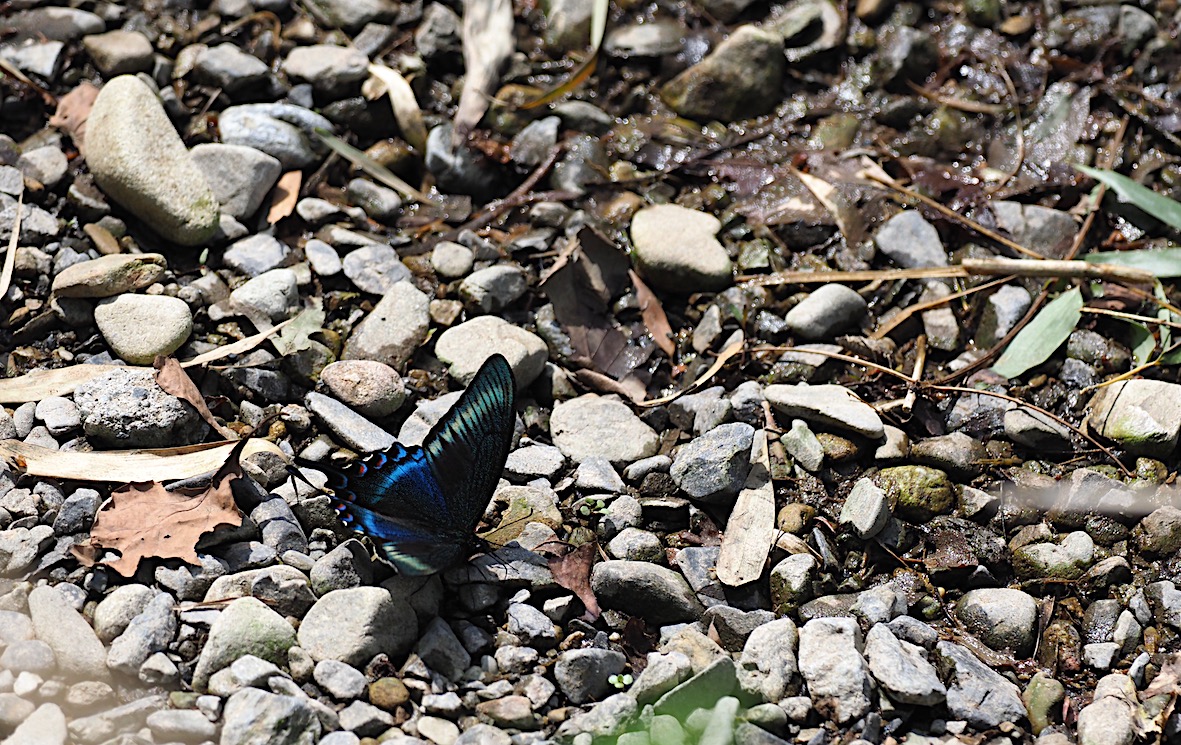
x=295 y=335
x=750 y=531
x=125 y=466
x=404 y=104
x=370 y=166
x=172 y=379
x=847 y=216
x=286 y=194
x=713 y=370
x=39 y=384
x=10 y=254
x=487 y=45
x=239 y=347
x=145 y=520
x=654 y=316
x=573 y=572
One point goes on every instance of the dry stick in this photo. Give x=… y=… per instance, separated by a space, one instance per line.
x=975 y=107
x=969 y=268
x=899 y=318
x=992 y=235
x=1131 y=317
x=1135 y=370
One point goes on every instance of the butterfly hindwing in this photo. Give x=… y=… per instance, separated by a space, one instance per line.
x=421 y=505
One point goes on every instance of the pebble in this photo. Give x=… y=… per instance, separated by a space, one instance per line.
x=534 y=461
x=375 y=269
x=768 y=664
x=837 y=675
x=255 y=255
x=379 y=203
x=465 y=348
x=713 y=468
x=284 y=131
x=230 y=68
x=60 y=415
x=139 y=327
x=45 y=164
x=372 y=388
x=975 y=692
x=119 y=52
x=830 y=405
x=80 y=655
x=331 y=70
x=866 y=509
x=183 y=725
x=1142 y=416
x=341 y=681
x=451 y=260
x=910 y=241
x=394 y=329
x=33 y=656
x=828 y=311
x=598 y=475
x=138 y=160
x=44 y=726
x=676 y=249
x=902 y=669
x=655 y=593
x=254 y=716
x=594 y=426
x=353 y=625
x=354 y=430
x=109 y=275
x=351 y=15
x=742 y=77
x=43 y=59
x=494 y=288
x=323 y=258
x=581 y=674
x=271 y=297
x=246 y=626
x=438 y=731
x=442 y=651
x=58 y=24
x=240 y=177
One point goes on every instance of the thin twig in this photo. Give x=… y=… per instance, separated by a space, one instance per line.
x=910 y=310
x=1131 y=317
x=975 y=107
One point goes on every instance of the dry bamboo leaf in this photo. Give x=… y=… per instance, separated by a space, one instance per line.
x=751 y=528
x=124 y=466
x=14 y=239
x=73 y=109
x=144 y=520
x=848 y=217
x=487 y=45
x=405 y=105
x=599 y=12
x=653 y=314
x=573 y=571
x=172 y=378
x=39 y=384
x=239 y=347
x=286 y=194
x=718 y=364
x=792 y=544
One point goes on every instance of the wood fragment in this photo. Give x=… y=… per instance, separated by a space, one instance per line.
x=126 y=466
x=750 y=531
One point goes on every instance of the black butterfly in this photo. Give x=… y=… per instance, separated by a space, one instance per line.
x=421 y=505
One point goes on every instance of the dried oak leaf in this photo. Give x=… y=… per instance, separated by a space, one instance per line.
x=144 y=520
x=73 y=109
x=573 y=571
x=173 y=379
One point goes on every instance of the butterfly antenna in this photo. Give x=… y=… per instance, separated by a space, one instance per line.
x=297 y=475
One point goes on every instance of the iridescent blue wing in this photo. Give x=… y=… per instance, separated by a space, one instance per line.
x=467 y=449
x=413 y=547
x=396 y=482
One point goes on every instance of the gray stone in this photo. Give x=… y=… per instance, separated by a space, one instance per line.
x=493 y=288
x=594 y=426
x=768 y=666
x=380 y=203
x=442 y=651
x=676 y=249
x=115 y=611
x=351 y=15
x=331 y=70
x=38 y=58
x=138 y=159
x=910 y=241
x=830 y=661
x=354 y=430
x=45 y=164
x=245 y=626
x=375 y=269
x=240 y=177
x=534 y=461
x=119 y=52
x=139 y=327
x=356 y=624
x=283 y=131
x=234 y=71
x=185 y=725
x=323 y=258
x=59 y=414
x=465 y=348
x=347 y=565
x=1142 y=416
x=713 y=468
x=80 y=655
x=254 y=717
x=126 y=409
x=830 y=405
x=582 y=674
x=32 y=655
x=365 y=719
x=741 y=78
x=341 y=681
x=394 y=329
x=657 y=594
x=902 y=669
x=99 y=728
x=451 y=260
x=149 y=632
x=45 y=726
x=829 y=310
x=866 y=509
x=975 y=692
x=1001 y=617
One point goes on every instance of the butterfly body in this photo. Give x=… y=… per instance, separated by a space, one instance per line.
x=421 y=505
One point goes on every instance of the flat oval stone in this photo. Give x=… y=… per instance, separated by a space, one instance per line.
x=139 y=327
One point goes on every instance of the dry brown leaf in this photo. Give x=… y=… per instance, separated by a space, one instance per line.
x=73 y=109
x=847 y=215
x=122 y=466
x=487 y=45
x=751 y=528
x=573 y=571
x=172 y=378
x=286 y=194
x=653 y=314
x=144 y=520
x=14 y=239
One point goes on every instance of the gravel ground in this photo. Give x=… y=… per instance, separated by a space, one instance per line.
x=931 y=563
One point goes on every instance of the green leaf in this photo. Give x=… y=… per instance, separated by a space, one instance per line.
x=1163 y=262
x=1045 y=333
x=1159 y=206
x=1142 y=342
x=370 y=166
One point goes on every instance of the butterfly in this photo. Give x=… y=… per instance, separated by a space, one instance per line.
x=421 y=505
